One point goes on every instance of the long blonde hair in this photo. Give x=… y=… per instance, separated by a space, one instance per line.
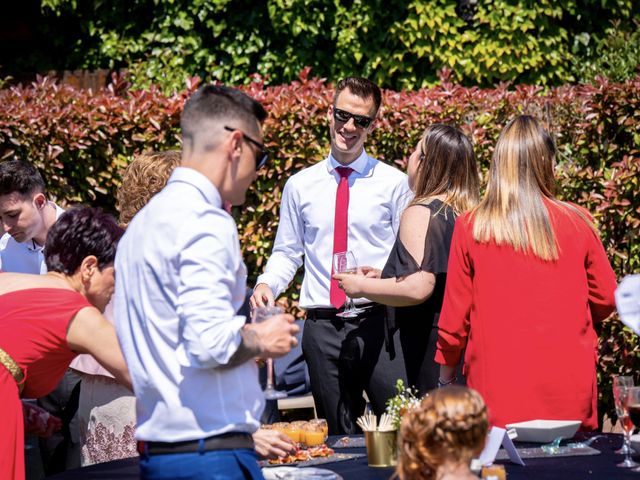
x=512 y=211
x=447 y=166
x=450 y=424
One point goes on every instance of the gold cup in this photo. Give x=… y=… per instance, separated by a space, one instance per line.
x=382 y=448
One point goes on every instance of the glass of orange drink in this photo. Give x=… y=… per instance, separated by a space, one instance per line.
x=314 y=435
x=322 y=423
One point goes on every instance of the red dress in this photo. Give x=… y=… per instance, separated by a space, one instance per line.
x=33 y=331
x=531 y=349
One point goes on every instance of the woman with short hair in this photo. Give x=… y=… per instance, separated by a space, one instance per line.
x=528 y=278
x=46 y=320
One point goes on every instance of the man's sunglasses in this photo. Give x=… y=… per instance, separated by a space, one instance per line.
x=343 y=116
x=261 y=154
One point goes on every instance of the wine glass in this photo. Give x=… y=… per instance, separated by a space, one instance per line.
x=621 y=386
x=260 y=314
x=631 y=401
x=345 y=262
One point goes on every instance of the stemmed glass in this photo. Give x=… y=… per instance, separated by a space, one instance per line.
x=260 y=314
x=632 y=406
x=345 y=262
x=621 y=384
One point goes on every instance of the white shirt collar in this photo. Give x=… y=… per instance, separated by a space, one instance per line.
x=199 y=181
x=359 y=164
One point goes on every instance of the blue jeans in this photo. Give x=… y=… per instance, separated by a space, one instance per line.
x=207 y=465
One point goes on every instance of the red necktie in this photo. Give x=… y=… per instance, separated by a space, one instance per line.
x=336 y=294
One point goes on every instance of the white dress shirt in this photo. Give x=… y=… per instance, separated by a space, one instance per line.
x=378 y=194
x=180 y=280
x=23 y=257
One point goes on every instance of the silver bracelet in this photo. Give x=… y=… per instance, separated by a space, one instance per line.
x=448 y=382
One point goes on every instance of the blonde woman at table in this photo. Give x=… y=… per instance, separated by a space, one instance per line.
x=106 y=408
x=528 y=277
x=440 y=437
x=444 y=179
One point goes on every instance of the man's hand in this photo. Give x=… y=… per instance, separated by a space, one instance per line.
x=273 y=444
x=262 y=296
x=276 y=335
x=271 y=338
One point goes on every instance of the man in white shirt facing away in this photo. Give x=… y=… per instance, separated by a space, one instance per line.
x=349 y=201
x=26 y=217
x=180 y=281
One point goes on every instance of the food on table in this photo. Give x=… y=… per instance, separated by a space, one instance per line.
x=494 y=472
x=342 y=442
x=303 y=455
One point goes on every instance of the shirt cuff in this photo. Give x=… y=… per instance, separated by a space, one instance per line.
x=273 y=282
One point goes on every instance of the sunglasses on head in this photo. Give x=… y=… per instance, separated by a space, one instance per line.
x=261 y=153
x=343 y=116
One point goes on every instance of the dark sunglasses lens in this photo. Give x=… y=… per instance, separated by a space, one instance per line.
x=362 y=122
x=341 y=115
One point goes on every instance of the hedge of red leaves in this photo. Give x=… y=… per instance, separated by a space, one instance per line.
x=81 y=140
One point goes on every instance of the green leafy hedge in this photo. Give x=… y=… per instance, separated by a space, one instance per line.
x=399 y=43
x=81 y=140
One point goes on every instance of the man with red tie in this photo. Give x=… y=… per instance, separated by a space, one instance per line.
x=349 y=201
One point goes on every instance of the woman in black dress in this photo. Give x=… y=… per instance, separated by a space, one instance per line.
x=444 y=179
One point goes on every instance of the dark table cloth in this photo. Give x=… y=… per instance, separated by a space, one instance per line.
x=563 y=468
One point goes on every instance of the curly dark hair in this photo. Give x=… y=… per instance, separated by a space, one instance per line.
x=20 y=177
x=449 y=424
x=80 y=232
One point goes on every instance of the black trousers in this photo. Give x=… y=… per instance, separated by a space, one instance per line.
x=345 y=358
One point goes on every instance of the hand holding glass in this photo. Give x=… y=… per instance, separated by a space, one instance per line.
x=260 y=314
x=345 y=262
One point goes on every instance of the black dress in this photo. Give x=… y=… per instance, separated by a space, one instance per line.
x=414 y=329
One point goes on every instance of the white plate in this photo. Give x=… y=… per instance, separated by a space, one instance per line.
x=294 y=473
x=544 y=431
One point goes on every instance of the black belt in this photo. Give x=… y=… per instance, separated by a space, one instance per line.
x=330 y=313
x=225 y=441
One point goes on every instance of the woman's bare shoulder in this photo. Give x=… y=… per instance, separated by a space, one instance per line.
x=12 y=282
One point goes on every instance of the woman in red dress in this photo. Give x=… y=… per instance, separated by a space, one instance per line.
x=46 y=320
x=528 y=277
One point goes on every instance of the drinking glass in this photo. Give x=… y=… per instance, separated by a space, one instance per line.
x=345 y=262
x=260 y=314
x=620 y=384
x=631 y=400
